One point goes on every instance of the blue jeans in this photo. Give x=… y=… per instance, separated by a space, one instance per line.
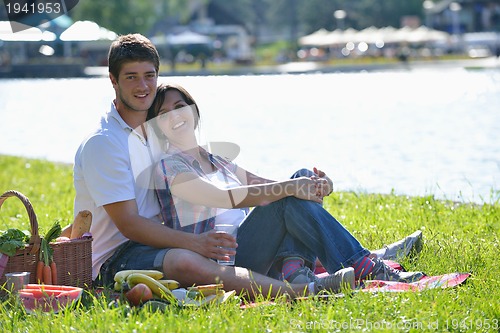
x=293 y=227
x=130 y=255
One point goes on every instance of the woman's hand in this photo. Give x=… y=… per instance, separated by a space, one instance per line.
x=210 y=244
x=306 y=189
x=324 y=183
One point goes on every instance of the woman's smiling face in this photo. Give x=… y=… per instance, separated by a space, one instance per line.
x=175 y=117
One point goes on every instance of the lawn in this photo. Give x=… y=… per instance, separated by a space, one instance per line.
x=458 y=237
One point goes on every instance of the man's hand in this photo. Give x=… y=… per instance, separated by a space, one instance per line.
x=210 y=244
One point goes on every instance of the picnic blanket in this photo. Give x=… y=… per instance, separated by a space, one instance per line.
x=427 y=282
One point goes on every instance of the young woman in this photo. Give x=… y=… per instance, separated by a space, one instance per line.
x=286 y=231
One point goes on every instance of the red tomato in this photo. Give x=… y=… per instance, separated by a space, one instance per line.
x=138 y=294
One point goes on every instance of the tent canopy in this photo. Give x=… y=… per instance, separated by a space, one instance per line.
x=372 y=35
x=87 y=31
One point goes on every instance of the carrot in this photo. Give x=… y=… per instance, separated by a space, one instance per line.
x=39 y=271
x=47 y=274
x=53 y=269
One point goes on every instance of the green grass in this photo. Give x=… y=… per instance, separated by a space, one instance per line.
x=457 y=238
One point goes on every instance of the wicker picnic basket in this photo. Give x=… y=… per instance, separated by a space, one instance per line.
x=73 y=258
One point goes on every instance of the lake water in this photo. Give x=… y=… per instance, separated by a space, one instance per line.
x=419 y=132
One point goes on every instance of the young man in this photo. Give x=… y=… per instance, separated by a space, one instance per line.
x=112 y=179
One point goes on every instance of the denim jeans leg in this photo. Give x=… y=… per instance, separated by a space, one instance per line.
x=291 y=247
x=315 y=227
x=263 y=242
x=259 y=238
x=295 y=227
x=303 y=173
x=349 y=238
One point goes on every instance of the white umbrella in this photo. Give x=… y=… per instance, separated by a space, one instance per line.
x=32 y=34
x=340 y=37
x=373 y=35
x=87 y=31
x=335 y=38
x=370 y=35
x=424 y=34
x=317 y=38
x=350 y=35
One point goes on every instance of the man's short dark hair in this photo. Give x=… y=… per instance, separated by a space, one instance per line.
x=131 y=47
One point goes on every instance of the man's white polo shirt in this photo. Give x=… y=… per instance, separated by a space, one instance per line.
x=114 y=164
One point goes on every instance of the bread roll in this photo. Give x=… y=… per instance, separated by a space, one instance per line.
x=66 y=232
x=81 y=224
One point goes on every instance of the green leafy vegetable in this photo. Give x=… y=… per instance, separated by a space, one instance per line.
x=11 y=240
x=46 y=252
x=54 y=232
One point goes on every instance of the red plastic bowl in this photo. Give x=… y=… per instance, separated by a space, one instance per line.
x=48 y=298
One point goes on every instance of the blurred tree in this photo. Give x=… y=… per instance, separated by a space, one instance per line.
x=240 y=12
x=313 y=19
x=168 y=13
x=121 y=16
x=259 y=18
x=360 y=14
x=285 y=16
x=381 y=13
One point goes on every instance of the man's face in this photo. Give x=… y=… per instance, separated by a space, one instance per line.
x=135 y=86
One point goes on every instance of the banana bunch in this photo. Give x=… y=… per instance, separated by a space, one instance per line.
x=127 y=279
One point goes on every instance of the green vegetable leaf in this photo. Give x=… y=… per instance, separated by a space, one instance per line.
x=11 y=240
x=54 y=232
x=46 y=252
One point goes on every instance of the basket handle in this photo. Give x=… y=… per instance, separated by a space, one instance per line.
x=35 y=238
